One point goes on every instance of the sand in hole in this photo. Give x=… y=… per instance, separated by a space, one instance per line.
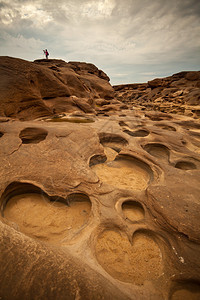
x=133 y=210
x=125 y=174
x=36 y=216
x=129 y=263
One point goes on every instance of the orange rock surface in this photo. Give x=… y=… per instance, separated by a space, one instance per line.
x=97 y=202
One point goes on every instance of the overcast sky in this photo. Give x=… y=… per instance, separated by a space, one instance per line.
x=131 y=40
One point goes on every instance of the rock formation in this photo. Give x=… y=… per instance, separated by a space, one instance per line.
x=48 y=87
x=98 y=205
x=179 y=93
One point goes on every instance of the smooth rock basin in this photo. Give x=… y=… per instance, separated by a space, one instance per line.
x=38 y=217
x=135 y=263
x=133 y=211
x=125 y=173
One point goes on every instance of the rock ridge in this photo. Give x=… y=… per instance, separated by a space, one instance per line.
x=179 y=93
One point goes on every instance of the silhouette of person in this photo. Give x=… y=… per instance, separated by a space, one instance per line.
x=46 y=53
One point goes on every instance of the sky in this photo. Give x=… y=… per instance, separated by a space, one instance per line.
x=131 y=40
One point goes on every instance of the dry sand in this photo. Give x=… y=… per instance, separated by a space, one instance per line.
x=129 y=263
x=36 y=216
x=123 y=174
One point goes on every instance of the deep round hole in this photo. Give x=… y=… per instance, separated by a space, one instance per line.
x=185 y=165
x=133 y=210
x=33 y=135
x=157 y=150
x=107 y=139
x=138 y=133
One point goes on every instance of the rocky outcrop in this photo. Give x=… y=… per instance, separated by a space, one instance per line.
x=179 y=93
x=43 y=88
x=97 y=201
x=108 y=209
x=30 y=90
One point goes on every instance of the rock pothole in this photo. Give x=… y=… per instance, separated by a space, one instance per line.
x=133 y=210
x=158 y=116
x=97 y=159
x=113 y=141
x=44 y=218
x=185 y=165
x=1 y=134
x=137 y=133
x=125 y=172
x=165 y=127
x=129 y=262
x=33 y=135
x=158 y=150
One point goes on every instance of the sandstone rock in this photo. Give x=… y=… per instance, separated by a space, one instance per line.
x=106 y=209
x=83 y=105
x=32 y=90
x=192 y=76
x=181 y=88
x=98 y=201
x=102 y=102
x=198 y=84
x=155 y=83
x=178 y=93
x=193 y=98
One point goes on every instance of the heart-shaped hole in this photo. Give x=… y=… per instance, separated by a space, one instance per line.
x=134 y=263
x=39 y=217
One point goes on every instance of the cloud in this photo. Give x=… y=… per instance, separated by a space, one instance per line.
x=122 y=37
x=149 y=73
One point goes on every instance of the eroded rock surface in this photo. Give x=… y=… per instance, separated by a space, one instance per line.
x=31 y=90
x=179 y=93
x=100 y=209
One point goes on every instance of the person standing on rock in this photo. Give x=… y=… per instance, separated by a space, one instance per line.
x=46 y=53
